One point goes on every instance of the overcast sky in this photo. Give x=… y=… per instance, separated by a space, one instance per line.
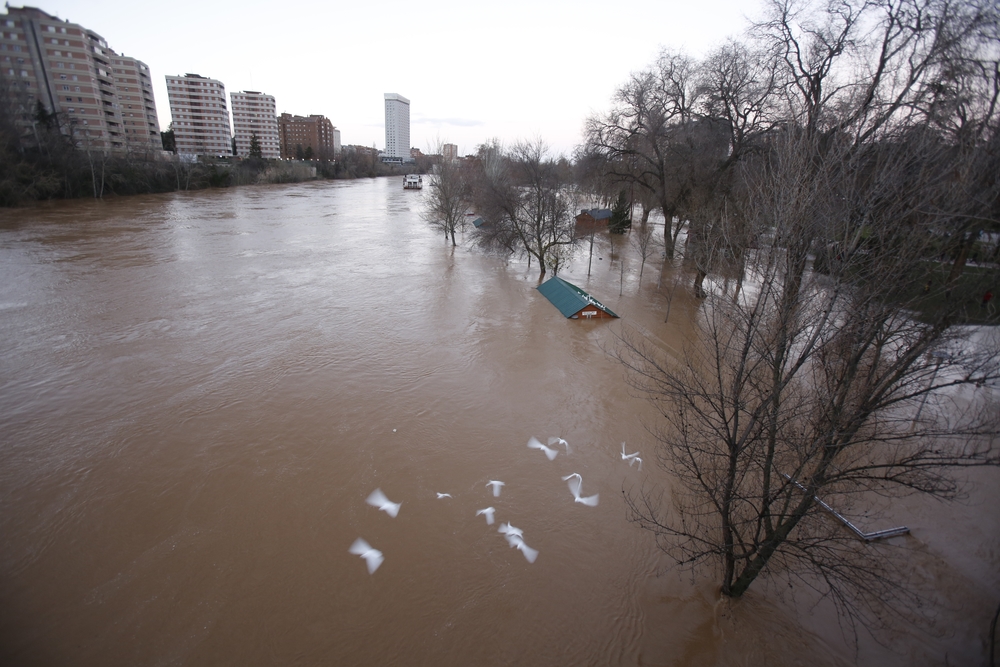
x=472 y=71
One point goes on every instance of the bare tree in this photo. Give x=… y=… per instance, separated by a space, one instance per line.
x=643 y=240
x=852 y=70
x=739 y=86
x=526 y=202
x=642 y=138
x=836 y=386
x=448 y=199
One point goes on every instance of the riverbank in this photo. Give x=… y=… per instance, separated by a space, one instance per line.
x=58 y=171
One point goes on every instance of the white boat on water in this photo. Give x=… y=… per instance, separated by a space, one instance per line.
x=413 y=182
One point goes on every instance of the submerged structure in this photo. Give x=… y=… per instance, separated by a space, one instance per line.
x=572 y=301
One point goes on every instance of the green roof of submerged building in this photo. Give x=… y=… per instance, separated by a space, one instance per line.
x=569 y=298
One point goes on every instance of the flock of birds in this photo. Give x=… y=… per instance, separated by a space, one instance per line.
x=514 y=536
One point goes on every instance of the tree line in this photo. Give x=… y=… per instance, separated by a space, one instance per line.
x=826 y=162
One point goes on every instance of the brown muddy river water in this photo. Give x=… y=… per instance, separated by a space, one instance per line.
x=198 y=391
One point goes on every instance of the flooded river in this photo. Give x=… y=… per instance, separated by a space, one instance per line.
x=199 y=390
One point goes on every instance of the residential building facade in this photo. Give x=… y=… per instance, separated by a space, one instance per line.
x=312 y=136
x=449 y=152
x=255 y=113
x=397 y=128
x=135 y=102
x=102 y=99
x=199 y=115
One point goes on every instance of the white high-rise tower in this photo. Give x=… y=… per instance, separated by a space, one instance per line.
x=397 y=128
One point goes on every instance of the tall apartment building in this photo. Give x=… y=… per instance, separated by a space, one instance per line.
x=255 y=113
x=312 y=136
x=135 y=102
x=449 y=152
x=101 y=99
x=199 y=115
x=397 y=128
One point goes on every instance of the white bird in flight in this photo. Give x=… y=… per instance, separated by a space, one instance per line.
x=378 y=499
x=443 y=495
x=373 y=557
x=559 y=441
x=549 y=452
x=489 y=515
x=631 y=458
x=496 y=487
x=510 y=530
x=575 y=482
x=529 y=553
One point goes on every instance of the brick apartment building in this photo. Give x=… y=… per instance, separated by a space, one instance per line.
x=100 y=98
x=299 y=134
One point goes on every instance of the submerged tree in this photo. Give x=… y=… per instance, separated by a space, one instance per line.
x=448 y=199
x=839 y=386
x=643 y=242
x=655 y=138
x=526 y=202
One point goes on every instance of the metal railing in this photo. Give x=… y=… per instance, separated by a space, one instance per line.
x=867 y=537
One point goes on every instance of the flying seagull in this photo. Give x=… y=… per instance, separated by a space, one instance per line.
x=509 y=530
x=549 y=452
x=575 y=482
x=496 y=487
x=489 y=515
x=372 y=556
x=443 y=495
x=378 y=499
x=559 y=441
x=529 y=553
x=631 y=458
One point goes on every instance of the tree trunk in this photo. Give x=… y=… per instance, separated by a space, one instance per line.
x=699 y=282
x=767 y=549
